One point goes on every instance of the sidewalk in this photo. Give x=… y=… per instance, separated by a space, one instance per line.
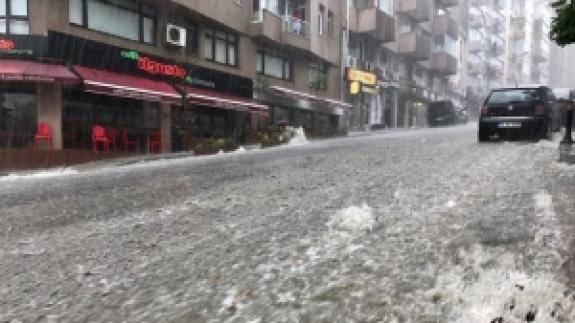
x=567 y=153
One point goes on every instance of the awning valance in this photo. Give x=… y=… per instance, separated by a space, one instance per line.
x=305 y=96
x=21 y=70
x=221 y=100
x=121 y=85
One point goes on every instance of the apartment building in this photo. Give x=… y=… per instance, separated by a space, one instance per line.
x=181 y=68
x=487 y=48
x=528 y=44
x=414 y=48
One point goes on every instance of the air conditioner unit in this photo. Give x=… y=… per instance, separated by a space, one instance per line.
x=175 y=36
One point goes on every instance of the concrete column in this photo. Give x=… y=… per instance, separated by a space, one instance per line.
x=166 y=126
x=49 y=107
x=315 y=123
x=394 y=110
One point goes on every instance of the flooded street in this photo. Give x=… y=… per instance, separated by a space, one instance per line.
x=413 y=226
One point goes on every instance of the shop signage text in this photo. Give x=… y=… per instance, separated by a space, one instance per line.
x=7 y=46
x=365 y=78
x=153 y=67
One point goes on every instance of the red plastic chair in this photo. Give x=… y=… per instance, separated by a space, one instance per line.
x=156 y=142
x=44 y=132
x=99 y=137
x=125 y=142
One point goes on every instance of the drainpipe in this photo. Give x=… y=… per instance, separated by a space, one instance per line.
x=344 y=54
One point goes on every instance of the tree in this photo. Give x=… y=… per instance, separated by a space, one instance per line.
x=563 y=25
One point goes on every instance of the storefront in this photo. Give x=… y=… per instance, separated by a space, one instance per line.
x=363 y=93
x=319 y=117
x=29 y=90
x=131 y=95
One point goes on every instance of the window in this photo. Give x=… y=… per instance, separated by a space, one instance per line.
x=129 y=19
x=509 y=96
x=272 y=62
x=191 y=37
x=321 y=19
x=14 y=17
x=386 y=6
x=330 y=26
x=221 y=47
x=317 y=73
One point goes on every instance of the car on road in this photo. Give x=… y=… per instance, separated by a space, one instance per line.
x=462 y=115
x=441 y=113
x=520 y=112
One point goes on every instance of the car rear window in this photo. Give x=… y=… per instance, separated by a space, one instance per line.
x=514 y=95
x=439 y=107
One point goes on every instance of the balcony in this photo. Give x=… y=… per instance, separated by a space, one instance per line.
x=374 y=22
x=418 y=10
x=415 y=45
x=475 y=69
x=267 y=25
x=443 y=63
x=495 y=66
x=476 y=19
x=476 y=45
x=295 y=33
x=540 y=51
x=445 y=25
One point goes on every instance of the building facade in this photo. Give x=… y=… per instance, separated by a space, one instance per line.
x=186 y=69
x=487 y=48
x=415 y=48
x=528 y=47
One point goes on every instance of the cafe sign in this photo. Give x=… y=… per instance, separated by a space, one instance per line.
x=154 y=67
x=22 y=45
x=365 y=78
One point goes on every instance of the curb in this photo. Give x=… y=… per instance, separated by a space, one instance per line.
x=567 y=153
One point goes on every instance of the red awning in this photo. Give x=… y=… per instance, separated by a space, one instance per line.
x=304 y=96
x=220 y=100
x=20 y=70
x=116 y=84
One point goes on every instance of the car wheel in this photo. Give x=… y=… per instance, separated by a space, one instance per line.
x=482 y=133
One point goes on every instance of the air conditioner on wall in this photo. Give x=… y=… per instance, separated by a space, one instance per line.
x=175 y=36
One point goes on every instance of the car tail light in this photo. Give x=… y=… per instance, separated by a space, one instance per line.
x=484 y=111
x=540 y=109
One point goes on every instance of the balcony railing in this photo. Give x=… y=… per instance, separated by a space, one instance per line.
x=296 y=26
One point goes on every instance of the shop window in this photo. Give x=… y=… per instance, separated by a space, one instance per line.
x=317 y=75
x=17 y=117
x=14 y=17
x=272 y=62
x=221 y=47
x=129 y=19
x=280 y=115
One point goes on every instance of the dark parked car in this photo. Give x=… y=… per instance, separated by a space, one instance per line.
x=526 y=112
x=441 y=113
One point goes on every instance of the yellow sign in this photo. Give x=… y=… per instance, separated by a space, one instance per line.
x=366 y=78
x=354 y=87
